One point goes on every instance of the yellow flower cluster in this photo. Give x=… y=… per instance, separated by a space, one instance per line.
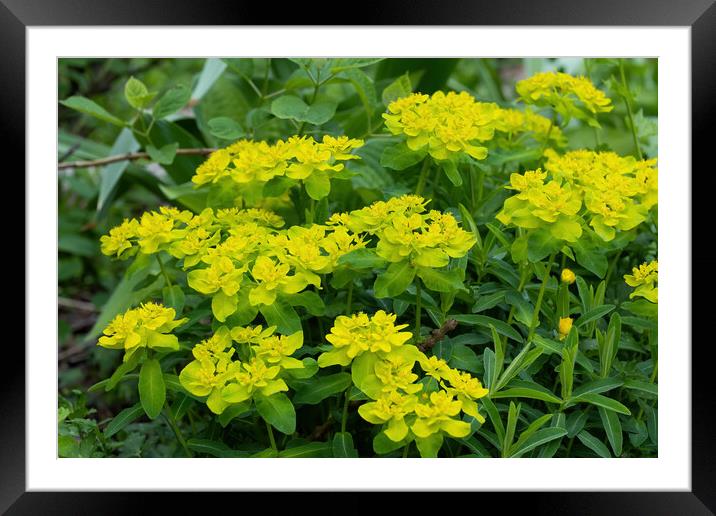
x=148 y=326
x=445 y=123
x=645 y=279
x=406 y=231
x=516 y=122
x=564 y=92
x=217 y=373
x=382 y=368
x=617 y=193
x=248 y=165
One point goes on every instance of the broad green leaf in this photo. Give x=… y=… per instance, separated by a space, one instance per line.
x=383 y=445
x=233 y=411
x=164 y=155
x=77 y=244
x=213 y=68
x=400 y=157
x=463 y=357
x=439 y=280
x=308 y=299
x=317 y=186
x=89 y=107
x=429 y=446
x=137 y=94
x=290 y=107
x=593 y=315
x=482 y=320
x=111 y=174
x=174 y=298
x=283 y=316
x=122 y=419
x=593 y=444
x=278 y=411
x=225 y=128
x=363 y=258
x=343 y=446
x=613 y=428
x=591 y=258
x=540 y=244
x=308 y=450
x=399 y=88
x=394 y=280
x=152 y=391
x=321 y=387
x=222 y=306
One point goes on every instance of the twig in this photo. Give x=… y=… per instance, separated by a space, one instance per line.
x=76 y=304
x=437 y=335
x=130 y=156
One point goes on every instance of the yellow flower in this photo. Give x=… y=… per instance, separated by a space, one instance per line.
x=645 y=278
x=154 y=230
x=568 y=276
x=273 y=278
x=220 y=275
x=392 y=408
x=467 y=389
x=254 y=376
x=118 y=242
x=147 y=326
x=436 y=414
x=564 y=327
x=357 y=334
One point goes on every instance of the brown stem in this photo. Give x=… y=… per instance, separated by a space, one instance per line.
x=130 y=156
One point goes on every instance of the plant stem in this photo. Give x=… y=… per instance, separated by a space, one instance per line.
x=177 y=432
x=405 y=451
x=418 y=306
x=349 y=301
x=540 y=296
x=130 y=156
x=611 y=268
x=164 y=272
x=269 y=430
x=423 y=176
x=344 y=419
x=630 y=114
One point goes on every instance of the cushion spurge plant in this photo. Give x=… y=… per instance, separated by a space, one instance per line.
x=284 y=307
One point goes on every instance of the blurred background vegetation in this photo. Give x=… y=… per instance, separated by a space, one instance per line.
x=231 y=99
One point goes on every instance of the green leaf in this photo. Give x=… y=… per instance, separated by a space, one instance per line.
x=601 y=401
x=137 y=94
x=213 y=69
x=77 y=244
x=494 y=416
x=88 y=107
x=593 y=444
x=525 y=389
x=394 y=280
x=363 y=258
x=440 y=280
x=214 y=448
x=591 y=258
x=430 y=446
x=383 y=445
x=637 y=385
x=465 y=358
x=307 y=450
x=225 y=128
x=399 y=88
x=174 y=298
x=597 y=386
x=482 y=320
x=400 y=157
x=318 y=186
x=278 y=411
x=123 y=369
x=233 y=411
x=172 y=101
x=283 y=316
x=451 y=172
x=111 y=174
x=122 y=419
x=222 y=306
x=165 y=155
x=343 y=446
x=613 y=428
x=290 y=107
x=308 y=299
x=540 y=244
x=350 y=63
x=539 y=438
x=593 y=315
x=152 y=391
x=321 y=387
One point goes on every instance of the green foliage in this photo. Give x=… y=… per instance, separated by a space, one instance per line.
x=571 y=368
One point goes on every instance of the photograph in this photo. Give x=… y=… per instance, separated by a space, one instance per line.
x=357 y=257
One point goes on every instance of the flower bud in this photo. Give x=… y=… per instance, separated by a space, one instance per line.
x=568 y=276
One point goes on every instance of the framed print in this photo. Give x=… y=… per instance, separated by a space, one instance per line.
x=434 y=244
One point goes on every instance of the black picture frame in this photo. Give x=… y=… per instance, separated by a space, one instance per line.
x=700 y=15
